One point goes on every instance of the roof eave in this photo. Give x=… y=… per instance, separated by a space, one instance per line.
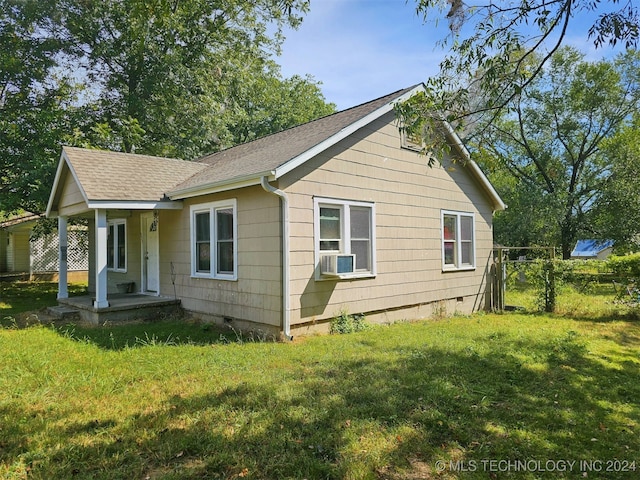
x=498 y=203
x=222 y=186
x=134 y=205
x=19 y=220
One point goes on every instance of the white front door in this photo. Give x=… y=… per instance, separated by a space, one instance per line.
x=150 y=254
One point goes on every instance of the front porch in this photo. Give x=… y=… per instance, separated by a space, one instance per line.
x=121 y=209
x=121 y=308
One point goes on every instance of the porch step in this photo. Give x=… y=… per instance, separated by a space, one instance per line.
x=63 y=312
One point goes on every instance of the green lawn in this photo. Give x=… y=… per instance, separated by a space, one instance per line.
x=498 y=396
x=19 y=297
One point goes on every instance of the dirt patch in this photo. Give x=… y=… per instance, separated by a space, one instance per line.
x=38 y=317
x=419 y=470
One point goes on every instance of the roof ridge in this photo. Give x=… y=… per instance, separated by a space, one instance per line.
x=115 y=152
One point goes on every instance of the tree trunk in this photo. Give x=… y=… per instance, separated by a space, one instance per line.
x=567 y=238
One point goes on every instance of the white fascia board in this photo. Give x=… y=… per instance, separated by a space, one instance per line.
x=342 y=134
x=134 y=205
x=64 y=160
x=218 y=187
x=498 y=202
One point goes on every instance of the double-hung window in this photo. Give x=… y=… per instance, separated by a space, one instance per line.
x=214 y=240
x=117 y=245
x=346 y=228
x=458 y=241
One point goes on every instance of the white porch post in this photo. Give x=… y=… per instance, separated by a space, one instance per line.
x=101 y=259
x=63 y=289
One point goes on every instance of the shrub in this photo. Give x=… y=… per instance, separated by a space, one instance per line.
x=625 y=266
x=345 y=322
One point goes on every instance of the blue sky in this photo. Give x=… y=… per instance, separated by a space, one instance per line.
x=363 y=49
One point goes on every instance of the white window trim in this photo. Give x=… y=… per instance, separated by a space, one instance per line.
x=458 y=266
x=211 y=208
x=345 y=240
x=409 y=144
x=115 y=223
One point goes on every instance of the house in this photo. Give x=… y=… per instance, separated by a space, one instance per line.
x=592 y=249
x=285 y=232
x=23 y=256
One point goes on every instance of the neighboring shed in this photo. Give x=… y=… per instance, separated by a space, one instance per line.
x=37 y=258
x=592 y=249
x=285 y=232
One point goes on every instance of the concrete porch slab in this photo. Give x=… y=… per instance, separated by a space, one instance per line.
x=123 y=307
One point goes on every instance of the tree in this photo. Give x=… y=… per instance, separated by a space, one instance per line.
x=34 y=103
x=617 y=209
x=162 y=70
x=268 y=104
x=163 y=77
x=549 y=153
x=490 y=43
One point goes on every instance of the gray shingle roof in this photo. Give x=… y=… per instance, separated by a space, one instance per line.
x=13 y=220
x=111 y=176
x=106 y=176
x=263 y=155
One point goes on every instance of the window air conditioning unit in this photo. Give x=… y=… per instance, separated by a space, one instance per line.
x=337 y=265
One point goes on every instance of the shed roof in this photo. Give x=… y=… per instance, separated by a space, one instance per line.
x=19 y=219
x=590 y=248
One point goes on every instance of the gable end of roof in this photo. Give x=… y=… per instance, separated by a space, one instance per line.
x=295 y=162
x=279 y=153
x=62 y=163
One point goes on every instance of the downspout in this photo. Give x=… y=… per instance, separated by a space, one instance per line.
x=286 y=309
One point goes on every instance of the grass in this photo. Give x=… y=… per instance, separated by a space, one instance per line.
x=19 y=297
x=593 y=301
x=387 y=403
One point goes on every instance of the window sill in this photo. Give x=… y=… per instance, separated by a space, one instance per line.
x=209 y=277
x=411 y=148
x=116 y=270
x=351 y=276
x=458 y=269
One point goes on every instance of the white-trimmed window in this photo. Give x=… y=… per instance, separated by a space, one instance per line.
x=411 y=141
x=117 y=245
x=458 y=240
x=214 y=240
x=347 y=228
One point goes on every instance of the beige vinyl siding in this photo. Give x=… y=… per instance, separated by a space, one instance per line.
x=134 y=252
x=256 y=296
x=370 y=166
x=18 y=252
x=4 y=239
x=10 y=253
x=71 y=200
